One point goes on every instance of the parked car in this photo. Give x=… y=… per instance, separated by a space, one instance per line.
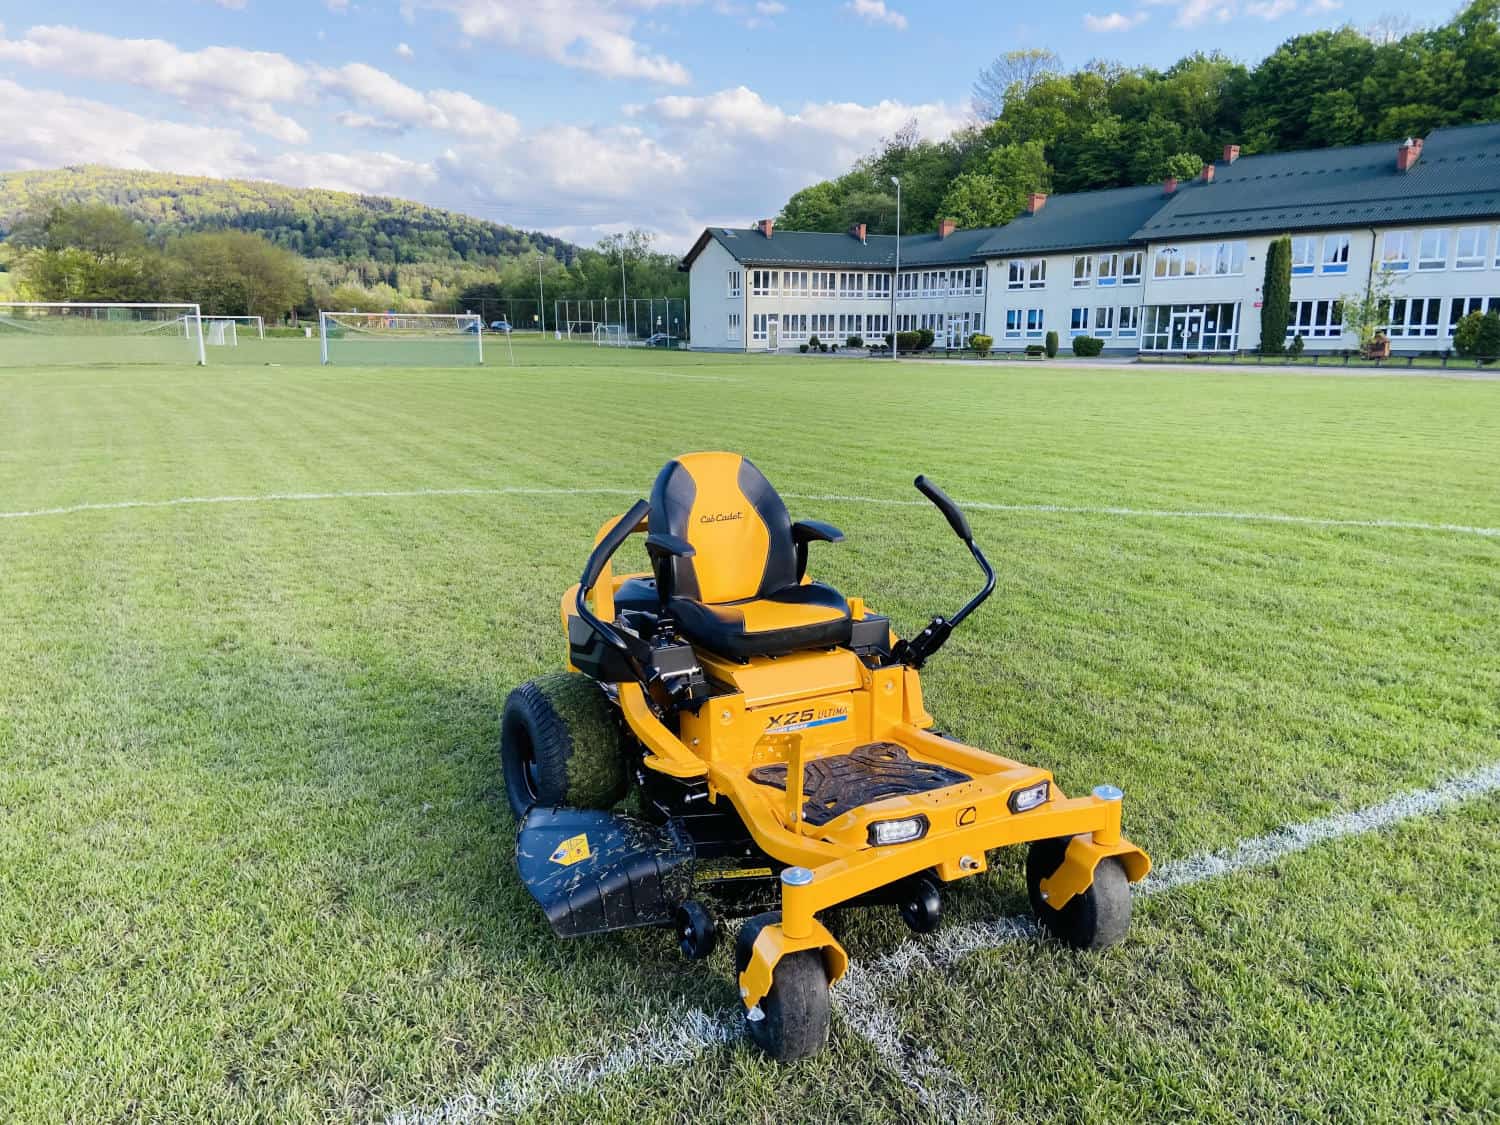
x=661 y=340
x=500 y=326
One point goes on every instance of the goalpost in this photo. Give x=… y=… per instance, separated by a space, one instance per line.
x=609 y=335
x=224 y=331
x=403 y=339
x=44 y=333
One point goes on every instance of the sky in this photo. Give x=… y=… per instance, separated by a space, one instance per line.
x=576 y=117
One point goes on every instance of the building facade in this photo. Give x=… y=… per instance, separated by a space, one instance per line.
x=1176 y=267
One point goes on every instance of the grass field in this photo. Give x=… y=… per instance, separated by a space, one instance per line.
x=257 y=864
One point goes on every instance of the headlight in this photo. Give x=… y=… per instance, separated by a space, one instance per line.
x=1024 y=800
x=884 y=832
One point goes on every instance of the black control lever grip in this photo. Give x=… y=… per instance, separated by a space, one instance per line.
x=956 y=519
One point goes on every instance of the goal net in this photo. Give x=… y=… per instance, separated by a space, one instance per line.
x=402 y=339
x=48 y=333
x=220 y=332
x=609 y=336
x=581 y=329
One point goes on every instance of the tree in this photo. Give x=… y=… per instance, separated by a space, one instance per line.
x=1369 y=311
x=1276 y=297
x=235 y=273
x=1014 y=72
x=996 y=192
x=1478 y=335
x=86 y=252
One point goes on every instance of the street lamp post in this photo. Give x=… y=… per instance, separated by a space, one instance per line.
x=622 y=283
x=896 y=278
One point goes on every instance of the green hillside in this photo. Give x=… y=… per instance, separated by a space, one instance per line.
x=312 y=222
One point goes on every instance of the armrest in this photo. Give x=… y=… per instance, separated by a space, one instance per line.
x=815 y=531
x=812 y=531
x=664 y=542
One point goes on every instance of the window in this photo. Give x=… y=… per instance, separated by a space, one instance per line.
x=1107 y=269
x=758 y=323
x=1412 y=317
x=1304 y=254
x=794 y=326
x=1432 y=250
x=765 y=283
x=908 y=285
x=1130 y=320
x=1083 y=271
x=877 y=324
x=733 y=331
x=1395 y=250
x=736 y=280
x=823 y=283
x=1027 y=273
x=1104 y=321
x=1012 y=324
x=1131 y=264
x=1190 y=328
x=823 y=326
x=1017 y=278
x=1472 y=248
x=880 y=285
x=794 y=283
x=852 y=285
x=1463 y=306
x=1034 y=325
x=1036 y=278
x=1316 y=320
x=1205 y=259
x=1336 y=253
x=1080 y=322
x=979 y=281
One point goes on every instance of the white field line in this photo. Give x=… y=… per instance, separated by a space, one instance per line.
x=975 y=505
x=678 y=1041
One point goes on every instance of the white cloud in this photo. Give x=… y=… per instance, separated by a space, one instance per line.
x=404 y=50
x=1324 y=6
x=228 y=78
x=1114 y=21
x=875 y=11
x=337 y=5
x=1193 y=13
x=770 y=8
x=1270 y=9
x=593 y=35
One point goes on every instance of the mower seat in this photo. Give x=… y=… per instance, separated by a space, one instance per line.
x=732 y=563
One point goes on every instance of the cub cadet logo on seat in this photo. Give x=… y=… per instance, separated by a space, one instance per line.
x=807 y=717
x=575 y=849
x=720 y=517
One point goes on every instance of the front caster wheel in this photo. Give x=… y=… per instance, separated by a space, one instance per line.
x=1095 y=919
x=696 y=932
x=791 y=1021
x=922 y=905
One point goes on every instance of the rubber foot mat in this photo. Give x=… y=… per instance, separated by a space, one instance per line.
x=833 y=786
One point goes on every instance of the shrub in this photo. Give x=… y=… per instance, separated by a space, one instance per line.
x=824 y=348
x=924 y=337
x=813 y=342
x=905 y=341
x=1087 y=345
x=1035 y=350
x=1294 y=349
x=1478 y=335
x=802 y=348
x=1051 y=344
x=1276 y=297
x=981 y=344
x=854 y=342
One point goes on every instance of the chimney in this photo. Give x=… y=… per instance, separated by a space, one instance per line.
x=1231 y=153
x=946 y=227
x=1169 y=186
x=765 y=226
x=1035 y=202
x=1207 y=175
x=1408 y=154
x=858 y=231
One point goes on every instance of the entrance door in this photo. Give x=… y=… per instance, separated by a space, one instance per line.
x=773 y=334
x=1187 y=331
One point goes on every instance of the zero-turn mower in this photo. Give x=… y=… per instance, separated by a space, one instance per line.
x=784 y=760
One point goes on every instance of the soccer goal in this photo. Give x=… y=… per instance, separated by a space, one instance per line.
x=402 y=339
x=225 y=331
x=581 y=329
x=609 y=336
x=47 y=333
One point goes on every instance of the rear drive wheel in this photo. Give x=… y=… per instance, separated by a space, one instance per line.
x=561 y=744
x=1095 y=919
x=795 y=1014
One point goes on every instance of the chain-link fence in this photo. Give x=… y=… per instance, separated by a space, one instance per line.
x=662 y=320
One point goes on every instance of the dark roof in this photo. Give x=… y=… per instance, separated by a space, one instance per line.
x=1083 y=220
x=815 y=248
x=1457 y=176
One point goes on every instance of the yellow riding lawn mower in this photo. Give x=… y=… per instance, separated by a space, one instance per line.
x=782 y=758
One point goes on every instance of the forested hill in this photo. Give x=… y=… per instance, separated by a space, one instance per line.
x=309 y=221
x=1044 y=128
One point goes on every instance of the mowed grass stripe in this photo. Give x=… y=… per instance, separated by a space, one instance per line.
x=257 y=861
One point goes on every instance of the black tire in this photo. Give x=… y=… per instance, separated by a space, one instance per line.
x=561 y=745
x=697 y=933
x=922 y=904
x=1095 y=919
x=796 y=1013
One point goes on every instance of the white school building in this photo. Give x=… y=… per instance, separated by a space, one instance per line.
x=1174 y=267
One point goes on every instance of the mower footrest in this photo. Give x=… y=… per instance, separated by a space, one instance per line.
x=592 y=872
x=834 y=785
